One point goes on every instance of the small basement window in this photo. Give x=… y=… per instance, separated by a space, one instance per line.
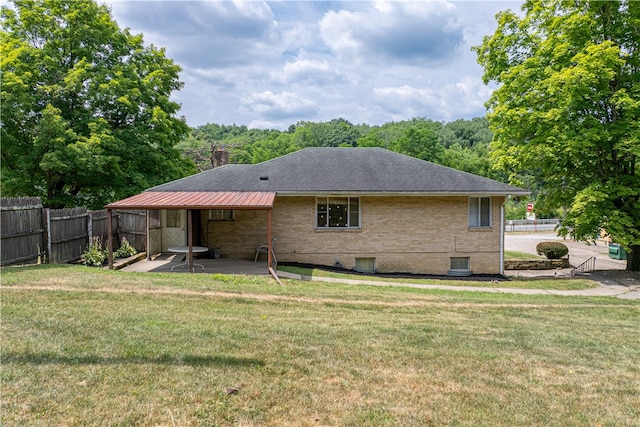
x=459 y=267
x=365 y=265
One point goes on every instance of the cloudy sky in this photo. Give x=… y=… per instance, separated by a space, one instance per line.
x=271 y=64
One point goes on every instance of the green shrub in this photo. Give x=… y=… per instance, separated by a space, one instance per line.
x=95 y=254
x=125 y=250
x=552 y=250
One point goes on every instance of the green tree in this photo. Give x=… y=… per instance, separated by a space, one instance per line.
x=465 y=133
x=421 y=141
x=568 y=108
x=472 y=159
x=86 y=111
x=336 y=133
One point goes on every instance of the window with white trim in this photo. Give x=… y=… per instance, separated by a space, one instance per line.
x=338 y=212
x=479 y=212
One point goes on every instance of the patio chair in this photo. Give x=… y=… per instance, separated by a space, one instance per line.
x=264 y=248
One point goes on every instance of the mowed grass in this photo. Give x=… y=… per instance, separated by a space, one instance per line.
x=564 y=284
x=520 y=255
x=85 y=346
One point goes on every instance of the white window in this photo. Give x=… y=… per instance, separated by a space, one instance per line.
x=479 y=212
x=338 y=212
x=221 y=215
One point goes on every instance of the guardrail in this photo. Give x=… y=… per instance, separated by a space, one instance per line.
x=531 y=225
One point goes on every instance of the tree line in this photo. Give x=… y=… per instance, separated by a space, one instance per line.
x=462 y=144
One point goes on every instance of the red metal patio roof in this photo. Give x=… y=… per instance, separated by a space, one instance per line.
x=197 y=200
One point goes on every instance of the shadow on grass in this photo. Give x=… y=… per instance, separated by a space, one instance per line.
x=165 y=359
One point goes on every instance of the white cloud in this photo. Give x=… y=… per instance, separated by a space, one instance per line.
x=399 y=31
x=272 y=64
x=308 y=72
x=448 y=102
x=204 y=33
x=278 y=106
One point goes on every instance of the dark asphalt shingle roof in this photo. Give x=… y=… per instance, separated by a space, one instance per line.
x=341 y=170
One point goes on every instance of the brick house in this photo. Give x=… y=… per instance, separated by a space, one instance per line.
x=367 y=209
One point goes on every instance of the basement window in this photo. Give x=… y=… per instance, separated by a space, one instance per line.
x=459 y=266
x=365 y=265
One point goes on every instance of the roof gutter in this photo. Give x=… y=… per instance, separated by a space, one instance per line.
x=402 y=193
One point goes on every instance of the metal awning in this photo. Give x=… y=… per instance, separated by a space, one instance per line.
x=197 y=200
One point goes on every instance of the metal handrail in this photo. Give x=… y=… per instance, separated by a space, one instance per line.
x=586 y=267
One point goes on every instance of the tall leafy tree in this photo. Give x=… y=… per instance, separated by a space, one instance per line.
x=421 y=141
x=568 y=107
x=335 y=133
x=86 y=111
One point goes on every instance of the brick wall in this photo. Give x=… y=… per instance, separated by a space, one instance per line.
x=403 y=234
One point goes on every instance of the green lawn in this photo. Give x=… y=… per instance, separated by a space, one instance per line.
x=520 y=283
x=520 y=255
x=84 y=347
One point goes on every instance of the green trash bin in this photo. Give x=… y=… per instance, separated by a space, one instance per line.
x=616 y=251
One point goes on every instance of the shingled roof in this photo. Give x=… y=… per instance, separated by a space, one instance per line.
x=341 y=170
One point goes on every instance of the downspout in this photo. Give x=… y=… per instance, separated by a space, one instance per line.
x=502 y=238
x=270 y=249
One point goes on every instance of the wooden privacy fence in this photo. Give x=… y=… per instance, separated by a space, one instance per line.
x=22 y=230
x=31 y=233
x=132 y=225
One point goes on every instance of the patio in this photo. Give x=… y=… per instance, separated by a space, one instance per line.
x=164 y=262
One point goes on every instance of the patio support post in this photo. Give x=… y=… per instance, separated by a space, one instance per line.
x=147 y=237
x=110 y=239
x=501 y=256
x=190 y=237
x=270 y=250
x=269 y=244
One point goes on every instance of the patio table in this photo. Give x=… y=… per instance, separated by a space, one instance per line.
x=185 y=250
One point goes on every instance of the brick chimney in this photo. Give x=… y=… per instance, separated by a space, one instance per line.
x=219 y=157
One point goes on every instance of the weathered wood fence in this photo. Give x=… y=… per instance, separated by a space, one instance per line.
x=30 y=233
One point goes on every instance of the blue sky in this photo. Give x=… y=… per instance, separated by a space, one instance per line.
x=272 y=64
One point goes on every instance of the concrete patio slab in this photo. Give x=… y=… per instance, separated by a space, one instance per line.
x=164 y=263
